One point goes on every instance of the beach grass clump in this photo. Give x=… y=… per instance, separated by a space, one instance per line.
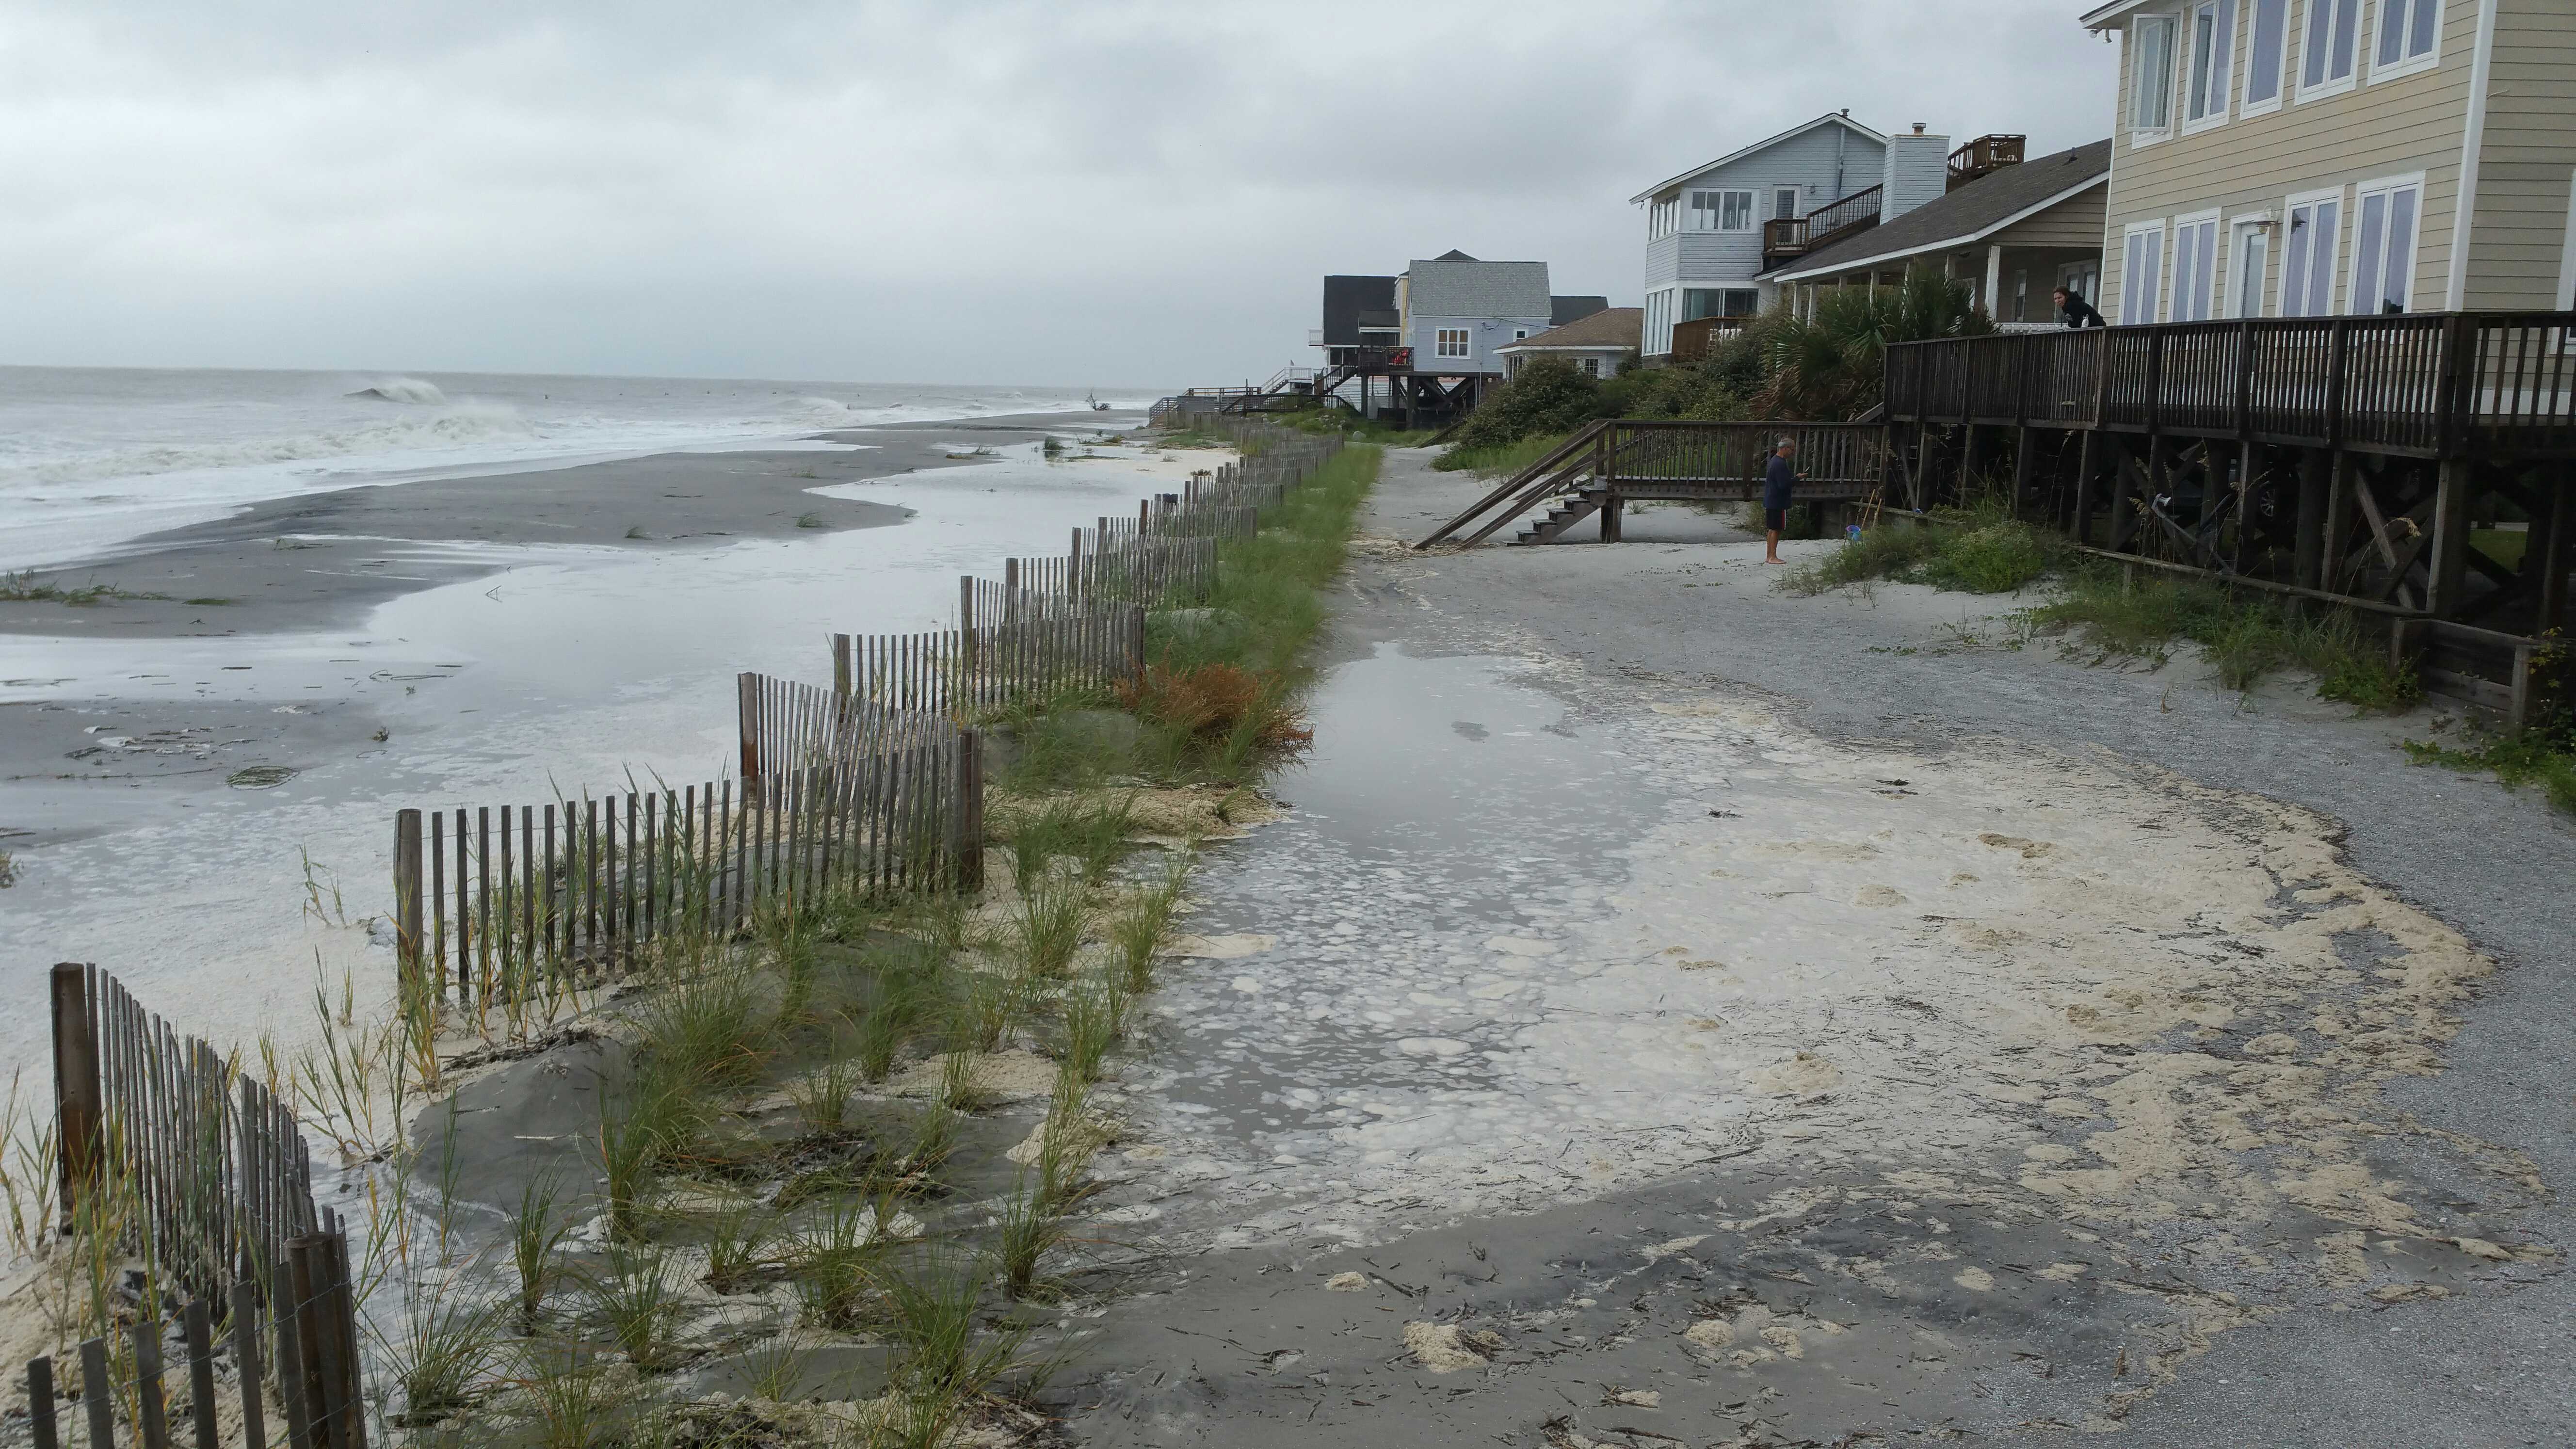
x=575 y=1405
x=708 y=1030
x=536 y=1231
x=26 y=588
x=1980 y=549
x=1500 y=460
x=1093 y=1017
x=1996 y=558
x=448 y=1343
x=2244 y=639
x=809 y=520
x=1092 y=833
x=1047 y=924
x=738 y=1241
x=637 y=1299
x=1025 y=1232
x=2543 y=753
x=1144 y=923
x=989 y=1008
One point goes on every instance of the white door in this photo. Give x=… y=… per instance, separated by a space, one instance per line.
x=2253 y=264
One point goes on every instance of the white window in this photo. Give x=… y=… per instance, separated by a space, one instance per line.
x=2409 y=40
x=2251 y=269
x=2325 y=61
x=1721 y=211
x=1663 y=218
x=2265 y=56
x=2142 y=273
x=2213 y=51
x=1592 y=367
x=1784 y=203
x=2383 y=245
x=2151 y=76
x=2195 y=268
x=1452 y=342
x=2308 y=255
x=2021 y=296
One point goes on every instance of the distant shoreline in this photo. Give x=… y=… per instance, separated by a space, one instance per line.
x=323 y=560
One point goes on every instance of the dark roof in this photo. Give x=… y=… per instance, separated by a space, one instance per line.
x=1345 y=298
x=1972 y=210
x=1470 y=288
x=1453 y=255
x=1609 y=327
x=1562 y=310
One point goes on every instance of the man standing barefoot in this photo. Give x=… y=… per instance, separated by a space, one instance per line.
x=1779 y=480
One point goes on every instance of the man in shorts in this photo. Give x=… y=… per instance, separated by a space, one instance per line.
x=1779 y=481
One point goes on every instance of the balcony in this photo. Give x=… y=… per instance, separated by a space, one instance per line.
x=1789 y=238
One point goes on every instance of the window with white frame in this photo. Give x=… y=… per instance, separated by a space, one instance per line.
x=1450 y=342
x=2195 y=268
x=1519 y=332
x=2142 y=272
x=2151 y=76
x=2325 y=60
x=1784 y=203
x=1721 y=211
x=2213 y=53
x=1663 y=218
x=2383 y=245
x=2266 y=54
x=1592 y=367
x=2409 y=39
x=2308 y=255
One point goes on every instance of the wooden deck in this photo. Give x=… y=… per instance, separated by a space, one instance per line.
x=2447 y=385
x=1620 y=460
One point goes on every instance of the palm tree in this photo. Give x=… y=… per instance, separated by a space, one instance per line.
x=1828 y=367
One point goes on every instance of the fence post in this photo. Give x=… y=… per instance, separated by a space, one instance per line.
x=841 y=666
x=969 y=854
x=407 y=937
x=199 y=1328
x=151 y=1417
x=101 y=1407
x=40 y=1403
x=747 y=711
x=246 y=1362
x=966 y=625
x=76 y=1083
x=1073 y=564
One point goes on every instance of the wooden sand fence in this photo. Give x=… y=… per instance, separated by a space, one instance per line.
x=199 y=1170
x=832 y=794
x=198 y=1167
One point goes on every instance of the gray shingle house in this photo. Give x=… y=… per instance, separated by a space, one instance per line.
x=1455 y=310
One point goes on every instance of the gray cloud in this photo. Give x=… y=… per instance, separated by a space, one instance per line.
x=1121 y=194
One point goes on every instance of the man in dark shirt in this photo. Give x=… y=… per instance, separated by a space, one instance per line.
x=2074 y=311
x=1779 y=480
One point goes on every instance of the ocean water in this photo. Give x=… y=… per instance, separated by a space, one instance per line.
x=93 y=458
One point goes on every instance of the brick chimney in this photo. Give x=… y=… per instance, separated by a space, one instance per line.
x=1918 y=171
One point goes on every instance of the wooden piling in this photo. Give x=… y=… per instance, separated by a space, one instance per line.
x=407 y=936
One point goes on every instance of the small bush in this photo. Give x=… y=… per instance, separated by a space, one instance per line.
x=1214 y=701
x=1995 y=559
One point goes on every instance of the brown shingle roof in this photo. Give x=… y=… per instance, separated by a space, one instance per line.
x=1971 y=210
x=1609 y=327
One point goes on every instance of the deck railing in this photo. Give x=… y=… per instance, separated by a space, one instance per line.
x=2436 y=384
x=1796 y=235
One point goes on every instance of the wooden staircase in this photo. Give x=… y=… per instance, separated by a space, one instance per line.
x=1568 y=512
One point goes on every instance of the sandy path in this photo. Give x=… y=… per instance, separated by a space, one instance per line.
x=1955 y=1080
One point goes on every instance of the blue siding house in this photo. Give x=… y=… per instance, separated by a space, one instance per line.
x=1704 y=228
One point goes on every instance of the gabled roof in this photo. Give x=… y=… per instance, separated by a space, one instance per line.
x=1830 y=118
x=1981 y=208
x=1470 y=288
x=1562 y=310
x=1453 y=255
x=1609 y=327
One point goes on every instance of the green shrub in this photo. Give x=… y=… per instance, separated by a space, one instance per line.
x=1995 y=559
x=1548 y=395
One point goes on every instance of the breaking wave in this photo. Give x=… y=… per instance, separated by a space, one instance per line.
x=457 y=426
x=403 y=390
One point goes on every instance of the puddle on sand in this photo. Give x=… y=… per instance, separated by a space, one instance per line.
x=1449 y=822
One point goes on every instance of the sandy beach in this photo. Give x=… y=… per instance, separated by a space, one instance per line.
x=166 y=768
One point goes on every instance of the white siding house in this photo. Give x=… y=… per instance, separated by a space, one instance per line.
x=1456 y=310
x=1704 y=227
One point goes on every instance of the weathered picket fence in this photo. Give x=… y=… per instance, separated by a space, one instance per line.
x=299 y=1322
x=831 y=793
x=194 y=1165
x=172 y=1154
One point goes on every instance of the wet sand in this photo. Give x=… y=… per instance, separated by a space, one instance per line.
x=322 y=560
x=1730 y=1019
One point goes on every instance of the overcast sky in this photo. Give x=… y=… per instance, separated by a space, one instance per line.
x=1068 y=193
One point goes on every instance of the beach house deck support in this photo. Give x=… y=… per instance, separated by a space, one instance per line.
x=2383 y=461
